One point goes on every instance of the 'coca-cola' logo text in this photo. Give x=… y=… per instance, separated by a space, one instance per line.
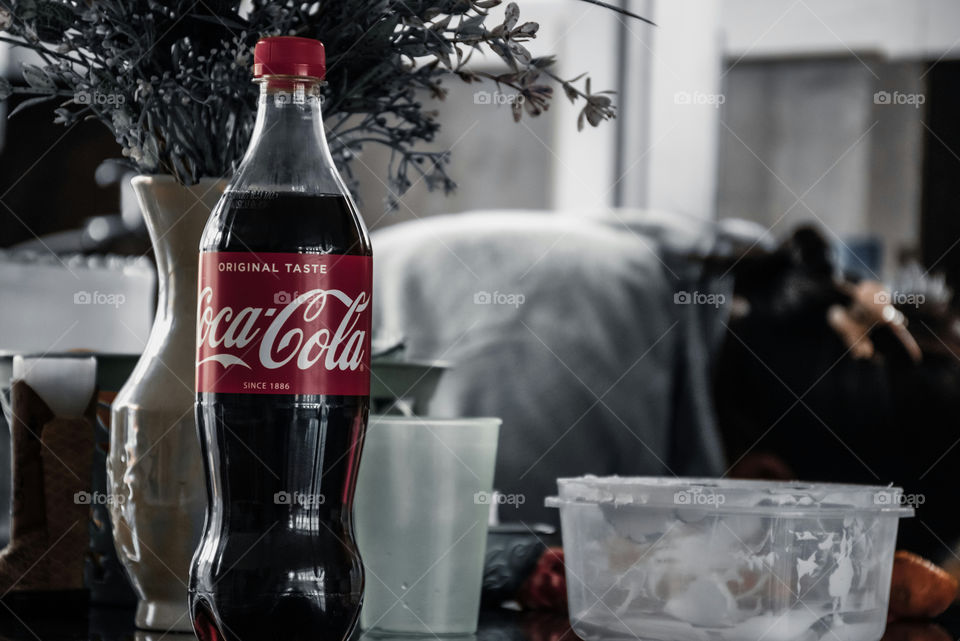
x=315 y=343
x=284 y=338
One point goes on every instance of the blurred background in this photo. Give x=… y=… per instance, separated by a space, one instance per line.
x=777 y=112
x=796 y=160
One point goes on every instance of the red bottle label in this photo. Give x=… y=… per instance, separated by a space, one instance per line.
x=279 y=323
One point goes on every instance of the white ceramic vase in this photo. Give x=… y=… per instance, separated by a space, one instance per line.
x=154 y=469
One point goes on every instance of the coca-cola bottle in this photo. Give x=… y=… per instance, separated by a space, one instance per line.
x=283 y=375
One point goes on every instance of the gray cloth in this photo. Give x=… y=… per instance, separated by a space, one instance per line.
x=566 y=327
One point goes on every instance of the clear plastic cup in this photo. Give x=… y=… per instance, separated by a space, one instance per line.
x=423 y=499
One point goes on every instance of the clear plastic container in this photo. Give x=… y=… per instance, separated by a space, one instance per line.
x=673 y=559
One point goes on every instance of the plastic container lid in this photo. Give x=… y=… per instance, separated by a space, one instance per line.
x=774 y=498
x=289 y=56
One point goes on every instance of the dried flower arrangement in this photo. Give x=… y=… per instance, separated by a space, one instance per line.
x=171 y=80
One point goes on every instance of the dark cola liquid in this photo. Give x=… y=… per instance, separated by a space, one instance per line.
x=265 y=569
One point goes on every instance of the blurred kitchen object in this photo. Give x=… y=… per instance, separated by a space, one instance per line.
x=585 y=333
x=61 y=303
x=51 y=414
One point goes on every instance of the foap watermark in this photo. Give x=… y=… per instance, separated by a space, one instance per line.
x=899 y=298
x=284 y=298
x=698 y=298
x=497 y=98
x=498 y=298
x=98 y=498
x=899 y=499
x=699 y=98
x=84 y=297
x=697 y=498
x=99 y=99
x=899 y=98
x=302 y=499
x=497 y=498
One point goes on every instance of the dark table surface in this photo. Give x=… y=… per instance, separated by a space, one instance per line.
x=115 y=624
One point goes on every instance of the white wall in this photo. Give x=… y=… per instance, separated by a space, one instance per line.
x=684 y=97
x=583 y=37
x=669 y=150
x=892 y=28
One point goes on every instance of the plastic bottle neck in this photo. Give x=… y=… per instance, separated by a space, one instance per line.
x=289 y=104
x=288 y=149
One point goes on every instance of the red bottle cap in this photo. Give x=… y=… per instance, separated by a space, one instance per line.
x=289 y=56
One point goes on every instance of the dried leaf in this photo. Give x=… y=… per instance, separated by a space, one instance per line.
x=511 y=16
x=29 y=102
x=37 y=78
x=519 y=52
x=528 y=29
